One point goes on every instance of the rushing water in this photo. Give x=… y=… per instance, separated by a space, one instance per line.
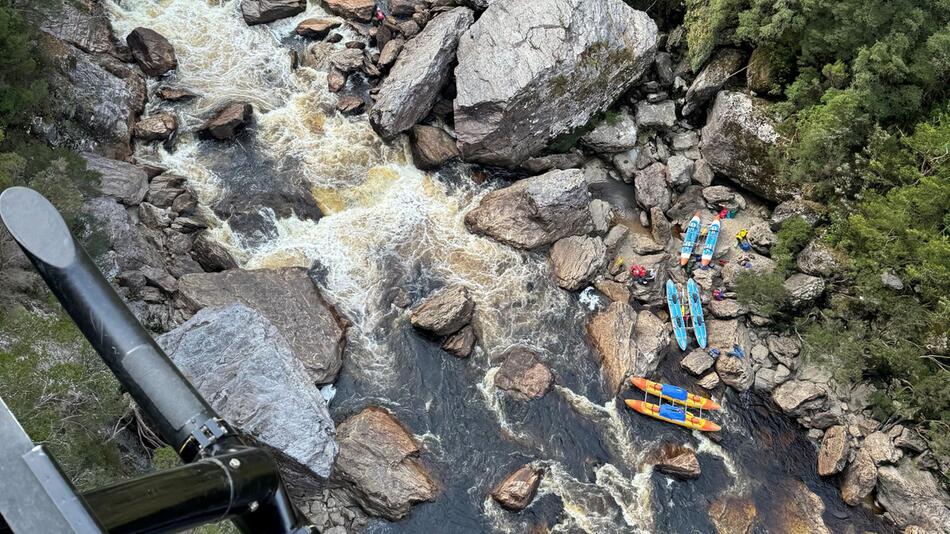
x=388 y=228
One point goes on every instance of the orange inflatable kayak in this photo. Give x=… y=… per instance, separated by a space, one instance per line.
x=674 y=394
x=673 y=414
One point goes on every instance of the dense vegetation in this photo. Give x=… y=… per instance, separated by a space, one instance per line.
x=862 y=88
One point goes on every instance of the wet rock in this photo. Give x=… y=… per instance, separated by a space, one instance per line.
x=660 y=115
x=711 y=79
x=350 y=104
x=174 y=94
x=651 y=190
x=660 y=227
x=264 y=11
x=119 y=179
x=811 y=212
x=534 y=211
x=913 y=497
x=801 y=512
x=834 y=451
x=819 y=259
x=211 y=255
x=618 y=134
x=518 y=489
x=242 y=364
x=316 y=28
x=432 y=147
x=289 y=300
x=413 y=84
x=461 y=343
x=732 y=514
x=93 y=99
x=615 y=291
x=522 y=375
x=735 y=372
x=678 y=461
x=679 y=171
x=379 y=461
x=794 y=395
x=541 y=164
x=803 y=289
x=737 y=141
x=709 y=382
x=157 y=127
x=881 y=448
x=575 y=260
x=444 y=312
x=859 y=479
x=611 y=333
x=153 y=53
x=583 y=55
x=228 y=121
x=336 y=80
x=697 y=362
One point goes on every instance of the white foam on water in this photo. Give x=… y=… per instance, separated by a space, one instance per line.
x=616 y=432
x=613 y=503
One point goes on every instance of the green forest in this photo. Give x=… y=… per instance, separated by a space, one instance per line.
x=862 y=88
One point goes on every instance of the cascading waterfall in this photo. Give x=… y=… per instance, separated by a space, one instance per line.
x=387 y=226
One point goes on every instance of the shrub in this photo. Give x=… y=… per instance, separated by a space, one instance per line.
x=764 y=293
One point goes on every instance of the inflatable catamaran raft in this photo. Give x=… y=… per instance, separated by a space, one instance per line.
x=677 y=415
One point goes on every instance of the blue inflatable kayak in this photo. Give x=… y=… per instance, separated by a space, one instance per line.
x=696 y=311
x=676 y=313
x=689 y=240
x=712 y=236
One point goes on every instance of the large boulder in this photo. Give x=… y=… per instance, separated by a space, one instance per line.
x=517 y=490
x=361 y=10
x=154 y=54
x=697 y=362
x=651 y=187
x=289 y=299
x=793 y=395
x=576 y=260
x=81 y=23
x=535 y=211
x=626 y=343
x=130 y=248
x=119 y=179
x=264 y=11
x=522 y=375
x=408 y=93
x=157 y=127
x=913 y=497
x=614 y=134
x=228 y=121
x=737 y=140
x=94 y=100
x=881 y=448
x=834 y=451
x=735 y=372
x=711 y=79
x=859 y=479
x=733 y=514
x=678 y=461
x=803 y=289
x=379 y=462
x=819 y=259
x=241 y=363
x=432 y=147
x=444 y=312
x=530 y=70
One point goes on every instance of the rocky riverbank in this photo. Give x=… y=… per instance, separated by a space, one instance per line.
x=578 y=101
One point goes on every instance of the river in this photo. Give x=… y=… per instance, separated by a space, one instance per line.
x=389 y=229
